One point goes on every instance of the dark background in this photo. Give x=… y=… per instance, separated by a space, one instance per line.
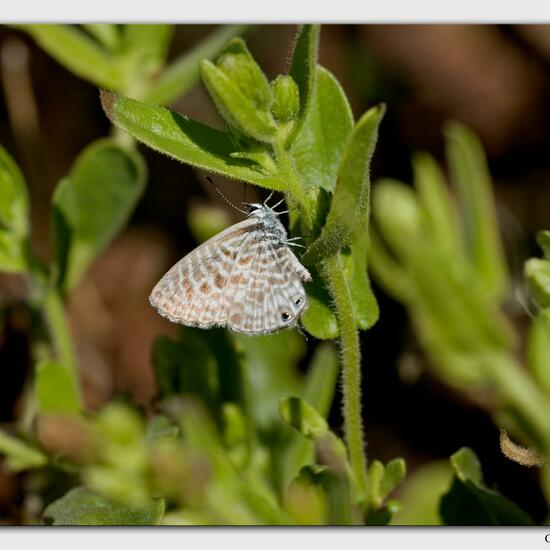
x=496 y=79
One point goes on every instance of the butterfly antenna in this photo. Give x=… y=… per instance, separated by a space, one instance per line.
x=225 y=198
x=268 y=198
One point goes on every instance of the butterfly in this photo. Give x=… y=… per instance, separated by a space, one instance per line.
x=246 y=278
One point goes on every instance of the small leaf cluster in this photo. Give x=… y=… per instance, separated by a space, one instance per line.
x=441 y=255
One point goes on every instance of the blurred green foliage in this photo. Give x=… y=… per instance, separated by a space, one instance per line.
x=239 y=433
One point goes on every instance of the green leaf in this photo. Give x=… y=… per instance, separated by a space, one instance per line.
x=82 y=507
x=185 y=366
x=271 y=373
x=319 y=319
x=318 y=389
x=149 y=41
x=543 y=239
x=538 y=349
x=303 y=70
x=318 y=147
x=184 y=139
x=348 y=216
x=13 y=215
x=238 y=110
x=20 y=455
x=394 y=474
x=79 y=53
x=92 y=204
x=182 y=74
x=469 y=172
x=286 y=98
x=436 y=201
x=469 y=502
x=364 y=302
x=421 y=493
x=537 y=275
x=105 y=33
x=55 y=391
x=303 y=417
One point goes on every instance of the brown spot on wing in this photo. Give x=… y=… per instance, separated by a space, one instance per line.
x=237 y=279
x=205 y=288
x=219 y=280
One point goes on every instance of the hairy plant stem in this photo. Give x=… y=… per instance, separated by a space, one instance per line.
x=333 y=273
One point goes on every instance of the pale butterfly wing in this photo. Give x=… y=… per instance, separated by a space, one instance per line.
x=192 y=291
x=265 y=292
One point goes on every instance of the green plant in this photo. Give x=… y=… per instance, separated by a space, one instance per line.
x=239 y=435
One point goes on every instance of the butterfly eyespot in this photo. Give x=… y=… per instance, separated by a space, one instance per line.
x=285 y=316
x=298 y=301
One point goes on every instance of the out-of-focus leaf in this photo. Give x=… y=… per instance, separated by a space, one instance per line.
x=19 y=455
x=148 y=42
x=306 y=500
x=79 y=53
x=303 y=69
x=348 y=216
x=543 y=239
x=182 y=74
x=421 y=493
x=318 y=147
x=394 y=474
x=106 y=33
x=318 y=389
x=92 y=204
x=205 y=221
x=434 y=197
x=538 y=349
x=470 y=174
x=469 y=502
x=55 y=390
x=271 y=371
x=80 y=506
x=185 y=366
x=233 y=497
x=303 y=417
x=537 y=275
x=184 y=139
x=13 y=215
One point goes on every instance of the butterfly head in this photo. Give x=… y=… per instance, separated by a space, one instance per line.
x=269 y=220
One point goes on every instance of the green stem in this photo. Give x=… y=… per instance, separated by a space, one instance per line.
x=333 y=271
x=54 y=313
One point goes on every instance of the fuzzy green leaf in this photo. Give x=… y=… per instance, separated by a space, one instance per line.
x=364 y=302
x=318 y=147
x=79 y=53
x=394 y=474
x=303 y=70
x=469 y=502
x=237 y=109
x=13 y=215
x=149 y=42
x=184 y=139
x=348 y=216
x=537 y=275
x=303 y=417
x=55 y=391
x=182 y=74
x=92 y=204
x=19 y=455
x=469 y=172
x=82 y=507
x=319 y=319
